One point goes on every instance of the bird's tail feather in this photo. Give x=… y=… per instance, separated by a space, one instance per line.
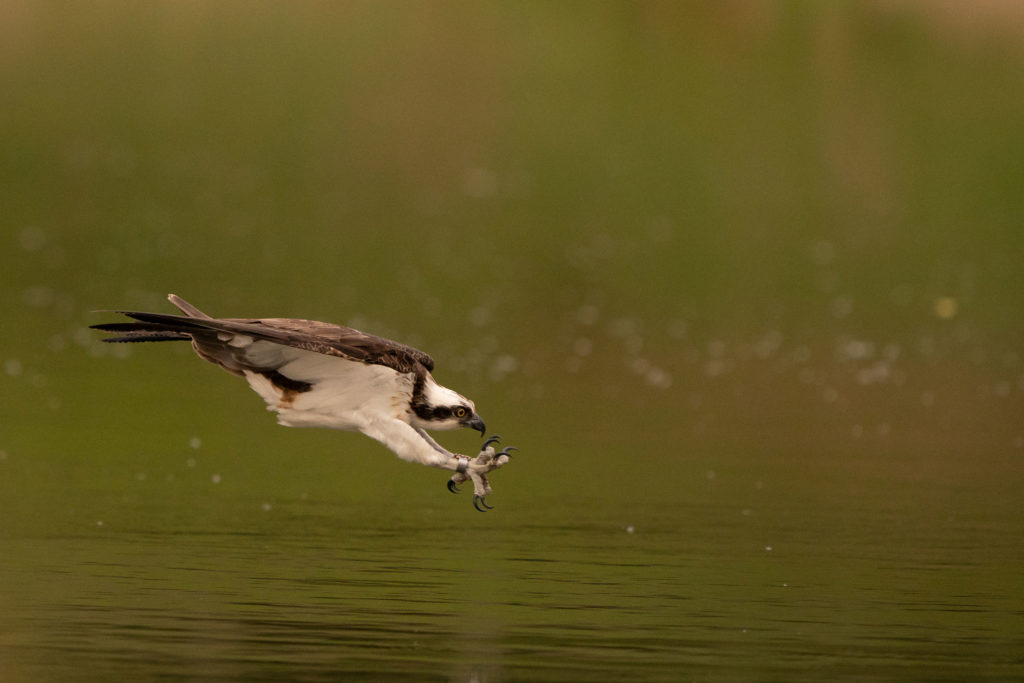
x=156 y=326
x=187 y=308
x=142 y=332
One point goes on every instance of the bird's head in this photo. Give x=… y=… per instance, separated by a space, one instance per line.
x=440 y=408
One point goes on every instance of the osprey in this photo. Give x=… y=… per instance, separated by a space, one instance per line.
x=315 y=374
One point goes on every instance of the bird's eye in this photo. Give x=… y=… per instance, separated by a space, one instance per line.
x=460 y=412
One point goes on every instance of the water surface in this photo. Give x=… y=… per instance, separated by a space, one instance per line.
x=789 y=588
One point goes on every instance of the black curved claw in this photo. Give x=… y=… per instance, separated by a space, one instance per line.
x=452 y=487
x=506 y=451
x=478 y=501
x=491 y=439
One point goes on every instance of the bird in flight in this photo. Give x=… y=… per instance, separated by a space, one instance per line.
x=315 y=374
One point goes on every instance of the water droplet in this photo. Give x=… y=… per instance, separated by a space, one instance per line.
x=588 y=315
x=38 y=297
x=856 y=349
x=768 y=344
x=479 y=183
x=215 y=478
x=480 y=316
x=823 y=252
x=677 y=329
x=659 y=378
x=716 y=367
x=841 y=307
x=195 y=443
x=623 y=327
x=640 y=365
x=945 y=307
x=503 y=365
x=32 y=238
x=634 y=344
x=873 y=374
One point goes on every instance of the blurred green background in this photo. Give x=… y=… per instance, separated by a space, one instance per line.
x=672 y=250
x=613 y=224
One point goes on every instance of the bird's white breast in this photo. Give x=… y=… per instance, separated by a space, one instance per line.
x=344 y=394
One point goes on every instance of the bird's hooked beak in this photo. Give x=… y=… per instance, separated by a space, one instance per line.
x=476 y=423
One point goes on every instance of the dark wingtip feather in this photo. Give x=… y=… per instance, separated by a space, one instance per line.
x=114 y=327
x=140 y=332
x=145 y=337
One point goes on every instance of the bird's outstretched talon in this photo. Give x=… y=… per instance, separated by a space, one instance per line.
x=476 y=470
x=491 y=439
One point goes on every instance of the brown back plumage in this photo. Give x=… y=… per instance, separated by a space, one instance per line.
x=206 y=333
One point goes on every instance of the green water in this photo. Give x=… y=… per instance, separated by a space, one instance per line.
x=723 y=580
x=741 y=281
